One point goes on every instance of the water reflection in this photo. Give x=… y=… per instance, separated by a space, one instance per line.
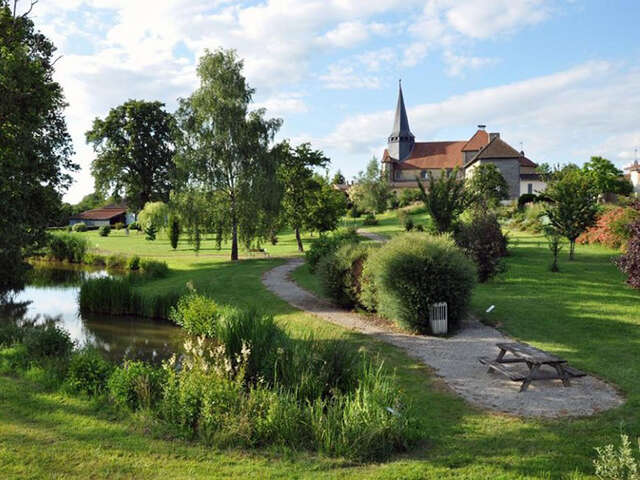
x=53 y=292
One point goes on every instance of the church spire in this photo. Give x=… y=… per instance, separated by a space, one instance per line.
x=401 y=140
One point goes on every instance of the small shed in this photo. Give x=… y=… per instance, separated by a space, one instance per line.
x=109 y=215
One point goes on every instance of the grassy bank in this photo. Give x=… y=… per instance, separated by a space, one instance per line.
x=591 y=319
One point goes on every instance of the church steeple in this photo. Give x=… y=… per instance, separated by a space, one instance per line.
x=401 y=141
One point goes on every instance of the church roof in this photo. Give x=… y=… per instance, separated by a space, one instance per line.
x=432 y=155
x=635 y=167
x=475 y=143
x=401 y=121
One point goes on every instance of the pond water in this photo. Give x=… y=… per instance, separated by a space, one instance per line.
x=53 y=293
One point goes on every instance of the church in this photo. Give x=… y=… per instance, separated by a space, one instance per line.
x=405 y=159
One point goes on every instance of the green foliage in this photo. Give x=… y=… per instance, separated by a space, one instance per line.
x=117 y=261
x=413 y=271
x=327 y=244
x=134 y=226
x=445 y=198
x=487 y=185
x=405 y=220
x=617 y=463
x=174 y=231
x=553 y=241
x=629 y=263
x=47 y=341
x=35 y=146
x=197 y=314
x=604 y=176
x=371 y=191
x=339 y=273
x=88 y=372
x=133 y=263
x=67 y=247
x=150 y=232
x=369 y=220
x=354 y=212
x=94 y=259
x=225 y=149
x=338 y=178
x=104 y=231
x=154 y=268
x=526 y=198
x=482 y=241
x=119 y=225
x=408 y=196
x=573 y=207
x=79 y=227
x=136 y=385
x=134 y=152
x=326 y=206
x=153 y=217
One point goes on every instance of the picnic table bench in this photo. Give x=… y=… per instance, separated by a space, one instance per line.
x=535 y=359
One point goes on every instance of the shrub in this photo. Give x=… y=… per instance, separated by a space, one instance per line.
x=419 y=228
x=47 y=341
x=134 y=226
x=67 y=247
x=94 y=259
x=10 y=333
x=370 y=220
x=340 y=273
x=154 y=268
x=13 y=359
x=326 y=244
x=405 y=220
x=613 y=228
x=118 y=225
x=413 y=271
x=136 y=385
x=150 y=232
x=117 y=260
x=133 y=263
x=526 y=198
x=629 y=263
x=482 y=241
x=174 y=232
x=197 y=314
x=617 y=464
x=88 y=372
x=408 y=196
x=104 y=230
x=79 y=227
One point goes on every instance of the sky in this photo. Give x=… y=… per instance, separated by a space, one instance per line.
x=560 y=78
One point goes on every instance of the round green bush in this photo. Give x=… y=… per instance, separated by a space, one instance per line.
x=340 y=273
x=88 y=372
x=413 y=271
x=104 y=230
x=47 y=341
x=136 y=385
x=79 y=227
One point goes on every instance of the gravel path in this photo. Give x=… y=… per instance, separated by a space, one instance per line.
x=455 y=359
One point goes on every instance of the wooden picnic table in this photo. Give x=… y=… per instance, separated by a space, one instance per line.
x=535 y=359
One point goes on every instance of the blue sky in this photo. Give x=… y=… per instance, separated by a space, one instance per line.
x=560 y=76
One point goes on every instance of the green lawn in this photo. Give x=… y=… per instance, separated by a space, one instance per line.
x=585 y=313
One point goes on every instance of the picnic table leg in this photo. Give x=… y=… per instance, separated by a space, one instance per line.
x=562 y=373
x=532 y=371
x=500 y=357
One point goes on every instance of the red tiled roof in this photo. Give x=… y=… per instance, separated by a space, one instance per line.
x=475 y=143
x=525 y=162
x=104 y=213
x=434 y=155
x=635 y=167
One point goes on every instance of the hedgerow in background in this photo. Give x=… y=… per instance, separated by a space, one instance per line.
x=327 y=244
x=340 y=272
x=413 y=271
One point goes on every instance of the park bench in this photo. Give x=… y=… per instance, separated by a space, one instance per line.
x=535 y=359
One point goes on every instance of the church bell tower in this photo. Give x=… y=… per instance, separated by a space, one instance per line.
x=401 y=141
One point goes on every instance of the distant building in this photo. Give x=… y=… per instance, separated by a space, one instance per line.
x=405 y=159
x=634 y=176
x=109 y=215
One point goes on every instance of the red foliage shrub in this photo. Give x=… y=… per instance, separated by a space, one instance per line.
x=629 y=263
x=612 y=228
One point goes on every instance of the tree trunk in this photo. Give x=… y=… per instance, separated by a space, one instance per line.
x=299 y=240
x=234 y=231
x=572 y=248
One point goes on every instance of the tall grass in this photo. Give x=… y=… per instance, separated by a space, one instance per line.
x=117 y=296
x=67 y=247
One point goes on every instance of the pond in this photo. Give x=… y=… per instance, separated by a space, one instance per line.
x=53 y=293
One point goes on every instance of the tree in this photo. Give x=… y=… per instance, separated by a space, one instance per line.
x=154 y=214
x=445 y=198
x=604 y=175
x=224 y=148
x=299 y=186
x=174 y=231
x=134 y=147
x=338 y=179
x=572 y=206
x=326 y=206
x=35 y=146
x=487 y=185
x=371 y=190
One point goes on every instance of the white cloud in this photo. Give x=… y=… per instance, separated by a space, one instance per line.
x=283 y=103
x=346 y=77
x=458 y=64
x=346 y=35
x=590 y=109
